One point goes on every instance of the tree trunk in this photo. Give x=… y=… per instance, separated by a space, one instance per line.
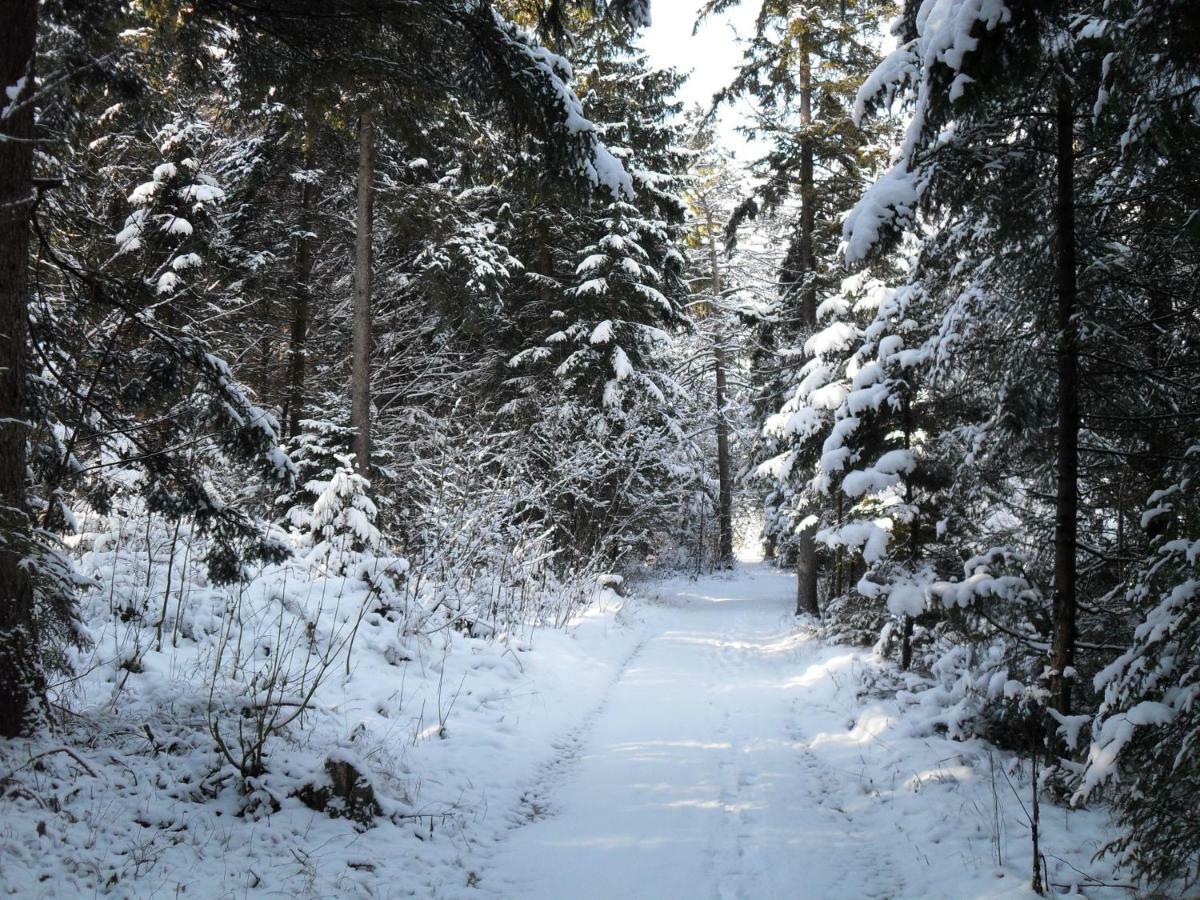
x=806 y=558
x=302 y=296
x=1160 y=442
x=839 y=562
x=1067 y=433
x=806 y=573
x=264 y=372
x=906 y=634
x=724 y=476
x=808 y=310
x=20 y=670
x=914 y=540
x=360 y=381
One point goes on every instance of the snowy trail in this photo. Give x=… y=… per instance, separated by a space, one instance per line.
x=703 y=775
x=734 y=757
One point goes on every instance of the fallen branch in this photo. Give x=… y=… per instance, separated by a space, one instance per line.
x=67 y=750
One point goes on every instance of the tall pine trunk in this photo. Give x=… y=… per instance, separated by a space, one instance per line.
x=1160 y=442
x=914 y=540
x=1067 y=432
x=360 y=362
x=806 y=557
x=20 y=671
x=724 y=476
x=302 y=292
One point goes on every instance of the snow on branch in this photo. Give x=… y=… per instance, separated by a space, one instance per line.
x=945 y=37
x=543 y=77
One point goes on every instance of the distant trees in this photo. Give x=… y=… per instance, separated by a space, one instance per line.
x=801 y=69
x=713 y=195
x=589 y=327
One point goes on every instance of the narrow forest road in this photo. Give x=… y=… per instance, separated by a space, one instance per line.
x=725 y=763
x=736 y=757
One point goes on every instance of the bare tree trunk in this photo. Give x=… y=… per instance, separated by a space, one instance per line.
x=839 y=561
x=724 y=476
x=906 y=634
x=360 y=381
x=302 y=297
x=1067 y=436
x=20 y=670
x=806 y=558
x=264 y=372
x=1160 y=441
x=914 y=540
x=1038 y=878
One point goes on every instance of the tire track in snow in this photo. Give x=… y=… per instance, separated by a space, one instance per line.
x=740 y=656
x=536 y=800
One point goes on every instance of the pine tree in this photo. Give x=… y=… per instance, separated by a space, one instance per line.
x=1029 y=148
x=1147 y=726
x=591 y=321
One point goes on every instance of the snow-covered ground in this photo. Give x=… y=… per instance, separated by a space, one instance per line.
x=694 y=743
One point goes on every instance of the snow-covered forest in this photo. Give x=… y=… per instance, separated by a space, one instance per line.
x=443 y=456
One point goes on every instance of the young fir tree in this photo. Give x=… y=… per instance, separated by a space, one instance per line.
x=591 y=322
x=117 y=379
x=1144 y=737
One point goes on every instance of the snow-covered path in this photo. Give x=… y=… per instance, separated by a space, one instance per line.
x=734 y=757
x=707 y=771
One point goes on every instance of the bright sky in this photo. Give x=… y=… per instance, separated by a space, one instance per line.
x=711 y=56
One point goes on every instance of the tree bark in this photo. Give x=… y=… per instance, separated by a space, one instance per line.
x=806 y=557
x=724 y=476
x=906 y=634
x=1160 y=442
x=302 y=296
x=360 y=380
x=914 y=541
x=20 y=671
x=1067 y=431
x=839 y=561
